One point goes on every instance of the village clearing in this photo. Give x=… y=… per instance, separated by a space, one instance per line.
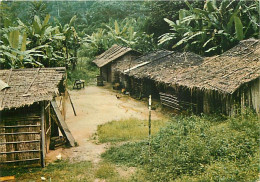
x=94 y=106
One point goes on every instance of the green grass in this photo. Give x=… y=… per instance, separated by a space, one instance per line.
x=67 y=172
x=58 y=171
x=105 y=170
x=130 y=154
x=194 y=148
x=85 y=70
x=127 y=130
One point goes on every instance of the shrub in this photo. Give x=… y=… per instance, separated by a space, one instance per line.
x=197 y=148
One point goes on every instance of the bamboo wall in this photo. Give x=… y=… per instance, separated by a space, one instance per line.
x=247 y=96
x=20 y=136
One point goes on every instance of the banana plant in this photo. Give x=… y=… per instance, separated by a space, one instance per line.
x=13 y=51
x=96 y=43
x=70 y=40
x=213 y=29
x=123 y=33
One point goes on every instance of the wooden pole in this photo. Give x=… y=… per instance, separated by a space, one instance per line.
x=150 y=124
x=72 y=105
x=42 y=136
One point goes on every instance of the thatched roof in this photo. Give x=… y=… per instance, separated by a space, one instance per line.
x=111 y=54
x=224 y=73
x=28 y=86
x=124 y=65
x=163 y=64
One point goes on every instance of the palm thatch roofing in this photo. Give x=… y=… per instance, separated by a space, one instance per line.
x=27 y=86
x=163 y=65
x=224 y=73
x=111 y=54
x=124 y=66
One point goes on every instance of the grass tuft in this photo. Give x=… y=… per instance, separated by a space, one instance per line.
x=105 y=171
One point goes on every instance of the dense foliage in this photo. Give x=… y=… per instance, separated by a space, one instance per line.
x=197 y=149
x=215 y=28
x=38 y=44
x=205 y=27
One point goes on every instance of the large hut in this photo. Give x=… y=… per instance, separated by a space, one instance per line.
x=147 y=76
x=225 y=83
x=107 y=61
x=29 y=115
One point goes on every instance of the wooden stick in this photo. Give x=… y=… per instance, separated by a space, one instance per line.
x=20 y=126
x=42 y=136
x=171 y=106
x=150 y=124
x=32 y=141
x=72 y=104
x=33 y=80
x=20 y=160
x=20 y=133
x=22 y=151
x=49 y=129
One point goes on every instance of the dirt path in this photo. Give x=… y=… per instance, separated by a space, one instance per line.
x=95 y=106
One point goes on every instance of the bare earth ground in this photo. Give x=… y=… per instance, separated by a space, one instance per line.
x=95 y=106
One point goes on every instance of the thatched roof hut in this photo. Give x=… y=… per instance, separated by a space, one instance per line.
x=154 y=67
x=111 y=54
x=224 y=73
x=108 y=60
x=227 y=82
x=28 y=86
x=29 y=114
x=209 y=84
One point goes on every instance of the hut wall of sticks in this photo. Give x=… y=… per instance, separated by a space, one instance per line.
x=107 y=61
x=225 y=83
x=27 y=118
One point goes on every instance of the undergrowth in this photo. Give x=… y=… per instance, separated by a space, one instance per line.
x=196 y=148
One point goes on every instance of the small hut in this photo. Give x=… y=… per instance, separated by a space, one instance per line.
x=125 y=68
x=29 y=115
x=107 y=61
x=225 y=83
